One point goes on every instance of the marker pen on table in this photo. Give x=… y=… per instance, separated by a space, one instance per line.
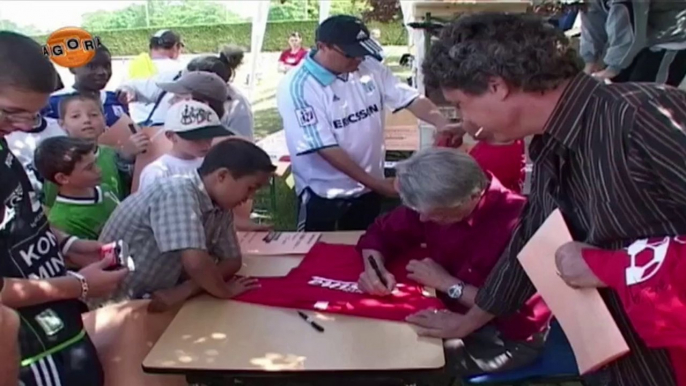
x=311 y=321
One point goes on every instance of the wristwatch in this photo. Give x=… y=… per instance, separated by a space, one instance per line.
x=455 y=291
x=84 y=283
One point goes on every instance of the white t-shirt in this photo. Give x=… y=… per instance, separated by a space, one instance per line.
x=239 y=117
x=167 y=165
x=24 y=143
x=320 y=109
x=148 y=92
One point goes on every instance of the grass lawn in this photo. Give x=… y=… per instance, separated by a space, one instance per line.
x=268 y=121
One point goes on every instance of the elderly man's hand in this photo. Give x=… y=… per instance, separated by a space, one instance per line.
x=437 y=324
x=573 y=269
x=430 y=274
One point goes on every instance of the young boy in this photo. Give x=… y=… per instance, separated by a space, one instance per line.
x=91 y=80
x=188 y=146
x=81 y=117
x=182 y=226
x=82 y=206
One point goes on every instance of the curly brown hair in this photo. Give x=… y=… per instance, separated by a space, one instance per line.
x=521 y=49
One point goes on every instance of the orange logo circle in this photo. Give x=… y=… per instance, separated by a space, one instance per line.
x=71 y=47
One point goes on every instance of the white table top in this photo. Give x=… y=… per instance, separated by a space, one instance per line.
x=213 y=334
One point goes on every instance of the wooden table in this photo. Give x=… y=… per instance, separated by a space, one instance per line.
x=210 y=336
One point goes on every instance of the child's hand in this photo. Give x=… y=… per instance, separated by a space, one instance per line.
x=137 y=143
x=239 y=285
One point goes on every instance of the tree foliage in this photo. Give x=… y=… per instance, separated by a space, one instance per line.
x=30 y=30
x=160 y=13
x=287 y=10
x=383 y=11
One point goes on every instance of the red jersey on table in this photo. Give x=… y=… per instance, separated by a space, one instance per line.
x=506 y=162
x=292 y=58
x=326 y=280
x=649 y=276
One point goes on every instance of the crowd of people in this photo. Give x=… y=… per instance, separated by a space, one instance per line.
x=606 y=151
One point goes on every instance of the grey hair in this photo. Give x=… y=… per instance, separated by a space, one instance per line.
x=439 y=178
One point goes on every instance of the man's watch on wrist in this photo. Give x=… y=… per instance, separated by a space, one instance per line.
x=84 y=283
x=455 y=291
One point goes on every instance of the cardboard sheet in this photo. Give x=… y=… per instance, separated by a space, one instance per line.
x=277 y=243
x=583 y=315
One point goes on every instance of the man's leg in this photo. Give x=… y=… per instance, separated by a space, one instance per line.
x=77 y=364
x=362 y=213
x=318 y=214
x=485 y=351
x=9 y=350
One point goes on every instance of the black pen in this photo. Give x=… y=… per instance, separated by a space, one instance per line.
x=311 y=321
x=376 y=268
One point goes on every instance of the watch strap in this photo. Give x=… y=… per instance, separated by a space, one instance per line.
x=84 y=283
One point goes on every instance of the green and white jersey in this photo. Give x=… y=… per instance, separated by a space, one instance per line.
x=83 y=217
x=107 y=162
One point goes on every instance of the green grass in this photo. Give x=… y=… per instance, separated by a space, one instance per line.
x=268 y=121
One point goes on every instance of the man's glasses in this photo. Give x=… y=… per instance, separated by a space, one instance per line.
x=342 y=53
x=21 y=117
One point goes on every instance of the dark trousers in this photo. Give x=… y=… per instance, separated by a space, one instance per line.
x=319 y=214
x=662 y=66
x=77 y=364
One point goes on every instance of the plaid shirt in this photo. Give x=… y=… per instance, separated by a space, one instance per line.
x=172 y=214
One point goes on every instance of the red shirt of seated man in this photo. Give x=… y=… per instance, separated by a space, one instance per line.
x=466 y=249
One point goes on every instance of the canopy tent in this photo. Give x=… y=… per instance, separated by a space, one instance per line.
x=259 y=25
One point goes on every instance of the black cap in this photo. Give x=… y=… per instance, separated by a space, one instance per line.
x=165 y=39
x=350 y=35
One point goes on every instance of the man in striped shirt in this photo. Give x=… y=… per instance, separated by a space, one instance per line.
x=610 y=157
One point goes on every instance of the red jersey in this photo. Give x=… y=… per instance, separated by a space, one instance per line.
x=292 y=58
x=648 y=276
x=506 y=162
x=326 y=280
x=468 y=250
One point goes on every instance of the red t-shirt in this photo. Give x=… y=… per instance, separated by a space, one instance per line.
x=652 y=290
x=506 y=162
x=292 y=58
x=326 y=281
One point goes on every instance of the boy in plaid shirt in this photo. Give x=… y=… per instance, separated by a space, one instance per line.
x=182 y=226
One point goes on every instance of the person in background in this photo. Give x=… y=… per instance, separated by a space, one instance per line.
x=450 y=204
x=232 y=55
x=82 y=117
x=83 y=204
x=292 y=56
x=375 y=34
x=190 y=127
x=147 y=103
x=634 y=41
x=54 y=347
x=238 y=117
x=332 y=108
x=610 y=157
x=91 y=80
x=180 y=229
x=506 y=161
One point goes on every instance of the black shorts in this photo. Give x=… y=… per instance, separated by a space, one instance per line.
x=77 y=364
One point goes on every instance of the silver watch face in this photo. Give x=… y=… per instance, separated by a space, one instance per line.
x=455 y=292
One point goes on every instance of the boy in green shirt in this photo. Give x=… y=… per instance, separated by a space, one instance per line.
x=81 y=116
x=83 y=204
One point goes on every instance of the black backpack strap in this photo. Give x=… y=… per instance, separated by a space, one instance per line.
x=148 y=121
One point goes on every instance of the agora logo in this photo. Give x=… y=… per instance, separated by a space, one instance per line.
x=71 y=47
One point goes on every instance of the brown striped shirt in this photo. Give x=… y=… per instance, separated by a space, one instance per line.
x=613 y=159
